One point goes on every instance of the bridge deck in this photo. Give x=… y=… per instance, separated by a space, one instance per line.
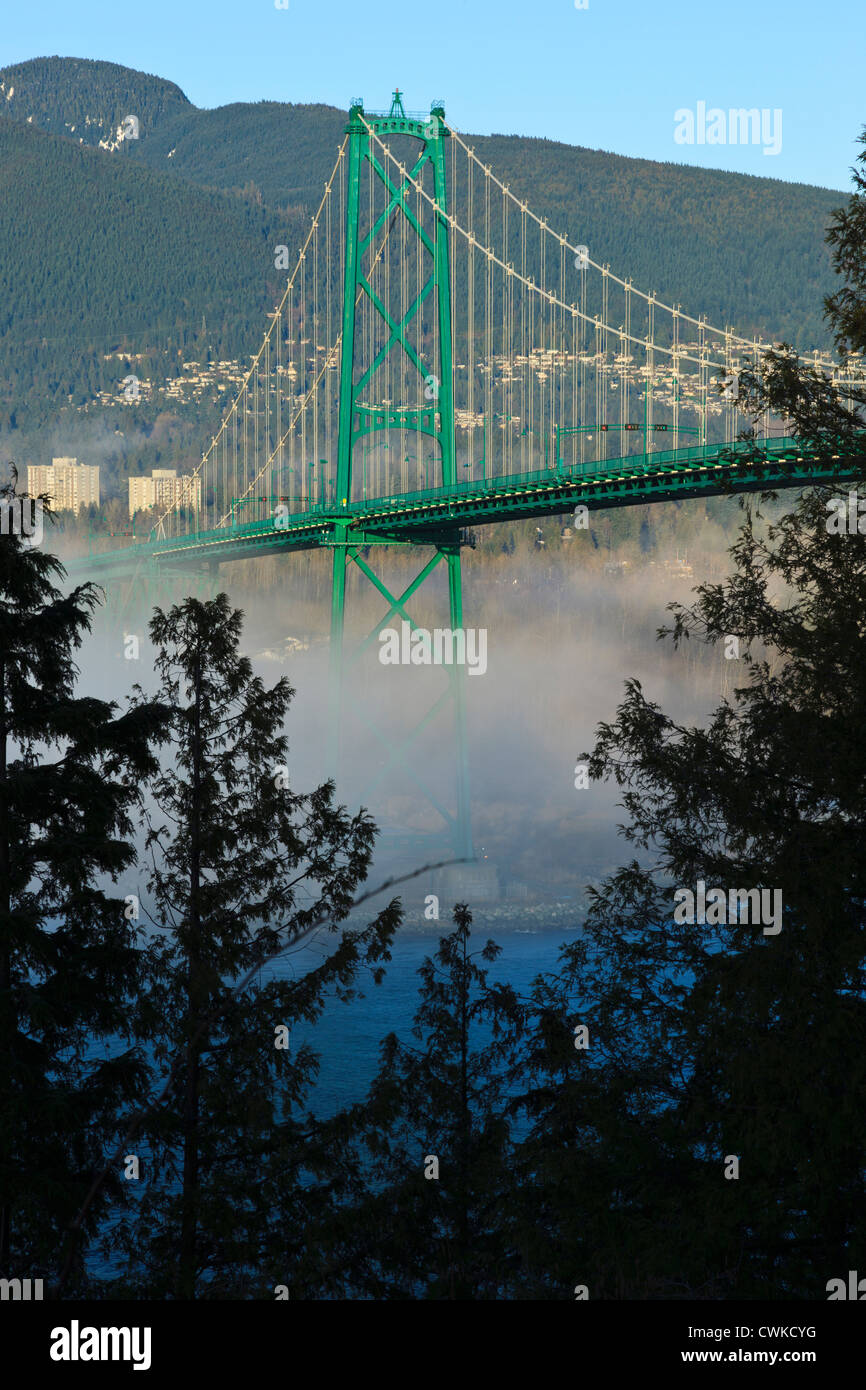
x=431 y=514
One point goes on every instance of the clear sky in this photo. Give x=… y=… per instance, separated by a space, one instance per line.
x=611 y=76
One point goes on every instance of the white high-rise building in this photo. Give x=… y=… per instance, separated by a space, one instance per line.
x=70 y=485
x=164 y=489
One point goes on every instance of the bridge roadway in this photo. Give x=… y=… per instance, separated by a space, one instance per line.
x=433 y=515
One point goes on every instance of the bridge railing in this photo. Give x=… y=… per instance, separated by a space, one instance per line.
x=672 y=460
x=669 y=460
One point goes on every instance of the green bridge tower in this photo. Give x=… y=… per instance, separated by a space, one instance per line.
x=436 y=420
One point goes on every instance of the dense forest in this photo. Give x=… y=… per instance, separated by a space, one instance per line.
x=101 y=256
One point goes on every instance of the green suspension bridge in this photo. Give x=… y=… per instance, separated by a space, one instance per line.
x=441 y=359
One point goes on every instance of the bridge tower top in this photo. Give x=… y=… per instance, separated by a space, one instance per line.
x=397 y=120
x=413 y=321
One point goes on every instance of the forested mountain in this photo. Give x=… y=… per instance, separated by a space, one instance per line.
x=162 y=245
x=87 y=100
x=744 y=251
x=285 y=150
x=272 y=149
x=100 y=255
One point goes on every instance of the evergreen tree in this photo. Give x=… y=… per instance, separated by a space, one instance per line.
x=243 y=868
x=71 y=773
x=710 y=1141
x=424 y=1192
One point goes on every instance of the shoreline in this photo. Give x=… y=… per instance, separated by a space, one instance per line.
x=507 y=918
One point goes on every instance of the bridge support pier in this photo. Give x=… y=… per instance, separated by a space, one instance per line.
x=398 y=750
x=335 y=653
x=457 y=675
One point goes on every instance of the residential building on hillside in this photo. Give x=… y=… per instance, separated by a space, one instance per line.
x=164 y=489
x=70 y=485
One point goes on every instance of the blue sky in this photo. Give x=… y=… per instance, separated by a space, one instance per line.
x=611 y=76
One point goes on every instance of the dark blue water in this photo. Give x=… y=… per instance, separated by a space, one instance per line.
x=347 y=1036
